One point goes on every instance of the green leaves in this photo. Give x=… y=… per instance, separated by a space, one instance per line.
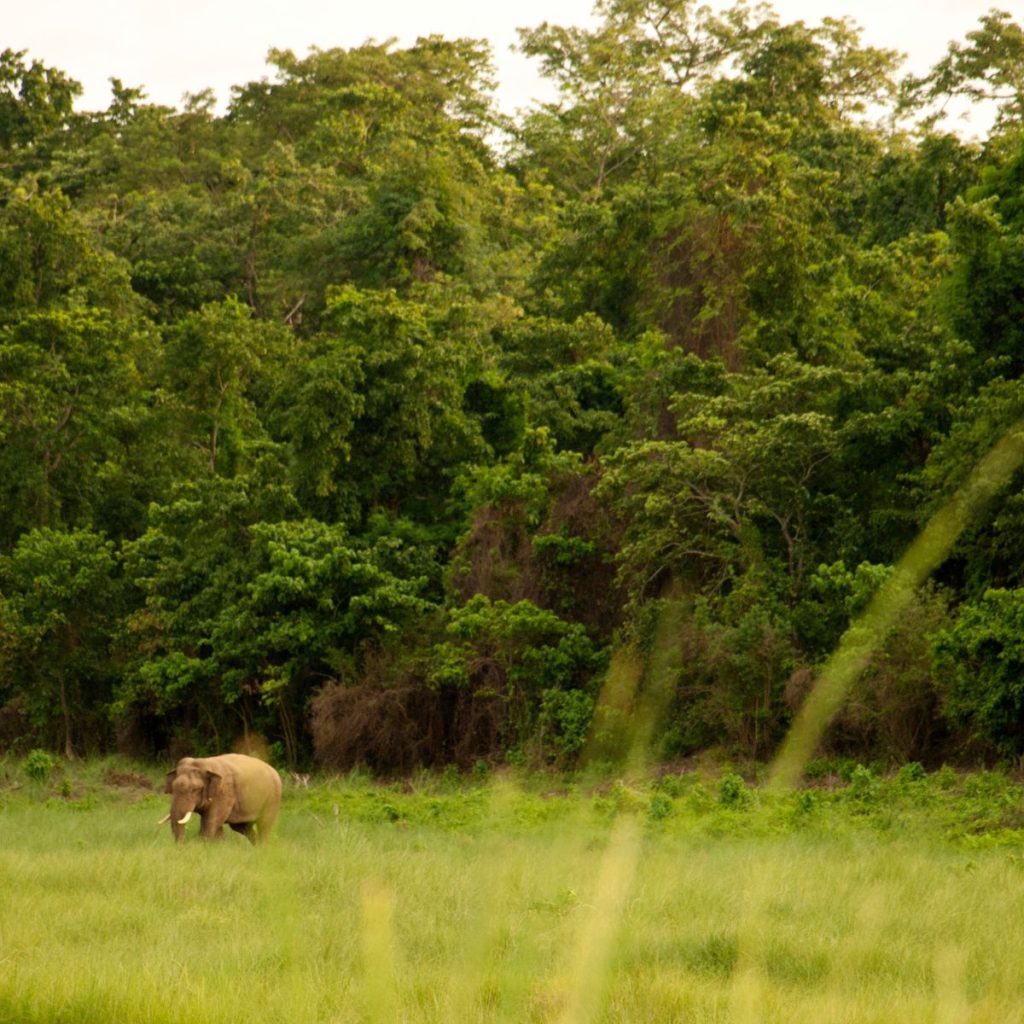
x=60 y=598
x=218 y=364
x=979 y=664
x=70 y=403
x=534 y=665
x=370 y=386
x=48 y=257
x=376 y=416
x=742 y=484
x=34 y=101
x=247 y=615
x=989 y=67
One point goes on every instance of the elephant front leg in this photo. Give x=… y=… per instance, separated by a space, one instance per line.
x=212 y=827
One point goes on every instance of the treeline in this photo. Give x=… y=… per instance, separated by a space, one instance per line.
x=368 y=419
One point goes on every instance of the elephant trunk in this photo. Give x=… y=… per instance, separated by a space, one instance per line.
x=181 y=814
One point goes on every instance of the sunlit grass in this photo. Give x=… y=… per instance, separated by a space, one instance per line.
x=493 y=903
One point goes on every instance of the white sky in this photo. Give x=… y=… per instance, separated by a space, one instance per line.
x=173 y=48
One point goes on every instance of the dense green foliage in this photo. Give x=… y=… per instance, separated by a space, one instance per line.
x=365 y=418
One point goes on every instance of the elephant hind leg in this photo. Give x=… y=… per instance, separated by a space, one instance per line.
x=245 y=828
x=265 y=822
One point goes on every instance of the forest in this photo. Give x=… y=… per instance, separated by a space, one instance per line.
x=371 y=420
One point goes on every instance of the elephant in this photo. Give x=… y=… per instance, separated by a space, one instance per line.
x=234 y=789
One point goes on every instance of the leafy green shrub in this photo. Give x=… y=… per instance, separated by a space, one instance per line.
x=39 y=766
x=863 y=784
x=979 y=666
x=699 y=798
x=516 y=670
x=732 y=790
x=736 y=655
x=892 y=708
x=672 y=785
x=911 y=772
x=660 y=806
x=564 y=721
x=806 y=802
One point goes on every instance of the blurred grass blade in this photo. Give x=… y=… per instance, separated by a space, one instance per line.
x=379 y=977
x=588 y=976
x=927 y=552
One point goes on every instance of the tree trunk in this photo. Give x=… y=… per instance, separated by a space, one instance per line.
x=69 y=750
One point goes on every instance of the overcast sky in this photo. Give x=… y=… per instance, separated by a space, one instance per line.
x=188 y=45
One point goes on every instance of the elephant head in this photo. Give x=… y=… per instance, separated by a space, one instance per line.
x=193 y=787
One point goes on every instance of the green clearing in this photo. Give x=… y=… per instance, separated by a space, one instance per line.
x=695 y=899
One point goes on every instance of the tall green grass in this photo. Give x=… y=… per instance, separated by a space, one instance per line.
x=694 y=900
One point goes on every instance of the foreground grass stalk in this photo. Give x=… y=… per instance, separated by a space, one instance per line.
x=380 y=981
x=950 y=969
x=588 y=976
x=928 y=551
x=642 y=692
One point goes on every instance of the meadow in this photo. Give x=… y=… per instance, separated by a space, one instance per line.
x=697 y=897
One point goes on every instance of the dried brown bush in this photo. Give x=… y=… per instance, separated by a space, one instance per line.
x=393 y=730
x=387 y=730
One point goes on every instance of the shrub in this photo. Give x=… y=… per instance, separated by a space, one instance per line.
x=509 y=670
x=39 y=766
x=564 y=721
x=979 y=665
x=660 y=806
x=736 y=656
x=863 y=784
x=893 y=707
x=384 y=729
x=732 y=790
x=912 y=772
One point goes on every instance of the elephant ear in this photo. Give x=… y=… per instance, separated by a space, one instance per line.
x=168 y=787
x=212 y=788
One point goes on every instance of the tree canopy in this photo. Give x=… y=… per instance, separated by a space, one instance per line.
x=372 y=420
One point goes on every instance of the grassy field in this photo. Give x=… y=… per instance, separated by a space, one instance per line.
x=694 y=899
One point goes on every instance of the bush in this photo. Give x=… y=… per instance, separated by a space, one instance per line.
x=736 y=655
x=509 y=671
x=39 y=766
x=912 y=772
x=893 y=707
x=660 y=806
x=979 y=666
x=732 y=790
x=387 y=730
x=564 y=721
x=863 y=784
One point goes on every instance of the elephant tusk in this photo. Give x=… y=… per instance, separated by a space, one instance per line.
x=164 y=819
x=186 y=819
